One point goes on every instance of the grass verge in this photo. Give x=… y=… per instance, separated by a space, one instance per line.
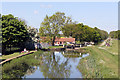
x=12 y=55
x=113 y=47
x=18 y=67
x=50 y=47
x=100 y=64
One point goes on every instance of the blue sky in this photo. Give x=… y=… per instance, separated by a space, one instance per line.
x=103 y=15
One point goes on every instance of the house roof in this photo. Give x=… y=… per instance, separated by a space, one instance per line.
x=61 y=39
x=65 y=39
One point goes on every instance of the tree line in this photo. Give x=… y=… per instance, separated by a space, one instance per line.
x=15 y=32
x=83 y=33
x=58 y=23
x=115 y=34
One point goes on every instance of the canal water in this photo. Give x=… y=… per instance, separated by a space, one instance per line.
x=46 y=65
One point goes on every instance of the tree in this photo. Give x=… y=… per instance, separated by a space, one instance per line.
x=96 y=36
x=115 y=34
x=52 y=25
x=33 y=38
x=33 y=33
x=14 y=32
x=103 y=34
x=69 y=29
x=84 y=33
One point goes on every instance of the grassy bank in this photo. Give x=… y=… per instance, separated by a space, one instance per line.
x=12 y=55
x=113 y=49
x=100 y=64
x=50 y=47
x=18 y=53
x=18 y=67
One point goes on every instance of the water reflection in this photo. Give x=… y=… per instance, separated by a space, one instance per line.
x=52 y=68
x=47 y=65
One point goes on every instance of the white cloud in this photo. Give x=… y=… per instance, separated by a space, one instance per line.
x=46 y=6
x=35 y=12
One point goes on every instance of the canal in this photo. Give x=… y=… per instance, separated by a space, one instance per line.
x=40 y=64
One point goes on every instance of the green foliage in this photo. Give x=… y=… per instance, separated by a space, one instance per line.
x=84 y=33
x=69 y=29
x=52 y=25
x=115 y=34
x=58 y=22
x=103 y=34
x=14 y=32
x=77 y=42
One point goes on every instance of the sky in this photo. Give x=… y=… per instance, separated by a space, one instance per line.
x=103 y=15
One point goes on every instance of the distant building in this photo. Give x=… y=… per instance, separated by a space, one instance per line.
x=61 y=41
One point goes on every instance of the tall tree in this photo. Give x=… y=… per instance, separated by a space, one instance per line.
x=52 y=25
x=14 y=32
